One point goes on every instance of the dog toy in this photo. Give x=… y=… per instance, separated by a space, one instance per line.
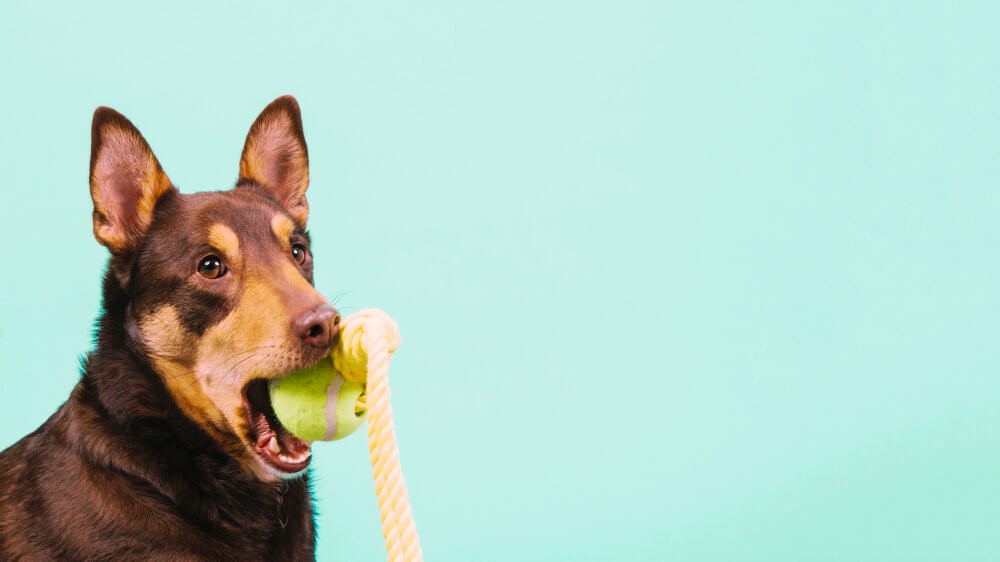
x=317 y=403
x=331 y=399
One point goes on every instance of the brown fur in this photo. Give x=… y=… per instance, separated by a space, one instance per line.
x=151 y=457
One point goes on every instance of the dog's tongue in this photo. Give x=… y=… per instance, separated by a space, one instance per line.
x=262 y=429
x=284 y=443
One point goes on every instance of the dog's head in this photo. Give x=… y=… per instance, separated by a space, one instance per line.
x=219 y=284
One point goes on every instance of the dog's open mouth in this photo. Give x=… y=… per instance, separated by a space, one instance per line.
x=269 y=438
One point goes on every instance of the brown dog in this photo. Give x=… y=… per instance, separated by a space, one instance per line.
x=167 y=448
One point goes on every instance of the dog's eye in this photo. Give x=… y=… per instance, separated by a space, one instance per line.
x=299 y=253
x=211 y=267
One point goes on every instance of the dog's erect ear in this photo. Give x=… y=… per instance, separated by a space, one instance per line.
x=125 y=181
x=275 y=157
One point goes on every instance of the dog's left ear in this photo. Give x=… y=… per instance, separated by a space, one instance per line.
x=275 y=156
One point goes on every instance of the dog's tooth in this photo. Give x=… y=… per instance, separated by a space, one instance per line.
x=273 y=445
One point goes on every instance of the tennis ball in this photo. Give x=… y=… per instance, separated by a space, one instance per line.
x=317 y=403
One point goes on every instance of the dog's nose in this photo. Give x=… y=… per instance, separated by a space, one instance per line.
x=318 y=326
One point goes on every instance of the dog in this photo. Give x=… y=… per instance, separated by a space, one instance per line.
x=167 y=448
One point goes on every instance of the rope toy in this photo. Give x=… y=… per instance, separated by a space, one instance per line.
x=331 y=399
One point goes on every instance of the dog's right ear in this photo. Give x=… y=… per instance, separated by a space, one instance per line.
x=125 y=181
x=275 y=156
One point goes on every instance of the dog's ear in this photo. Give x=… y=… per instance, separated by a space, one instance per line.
x=275 y=157
x=125 y=181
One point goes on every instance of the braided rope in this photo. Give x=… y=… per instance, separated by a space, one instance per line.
x=367 y=340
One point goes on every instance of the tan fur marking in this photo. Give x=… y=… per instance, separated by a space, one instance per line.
x=259 y=322
x=282 y=227
x=162 y=334
x=225 y=240
x=290 y=274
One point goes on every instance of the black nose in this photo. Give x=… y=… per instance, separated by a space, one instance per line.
x=318 y=326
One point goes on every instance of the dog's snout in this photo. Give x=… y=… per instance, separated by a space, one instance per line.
x=317 y=327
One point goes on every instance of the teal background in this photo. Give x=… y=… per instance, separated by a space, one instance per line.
x=676 y=281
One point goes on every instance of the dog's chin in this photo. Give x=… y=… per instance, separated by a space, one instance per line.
x=280 y=454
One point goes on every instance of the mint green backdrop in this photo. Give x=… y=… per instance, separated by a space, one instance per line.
x=696 y=281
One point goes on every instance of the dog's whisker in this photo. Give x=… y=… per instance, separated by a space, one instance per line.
x=240 y=362
x=337 y=297
x=261 y=360
x=232 y=357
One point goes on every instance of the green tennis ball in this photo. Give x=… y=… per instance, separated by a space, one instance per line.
x=317 y=403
